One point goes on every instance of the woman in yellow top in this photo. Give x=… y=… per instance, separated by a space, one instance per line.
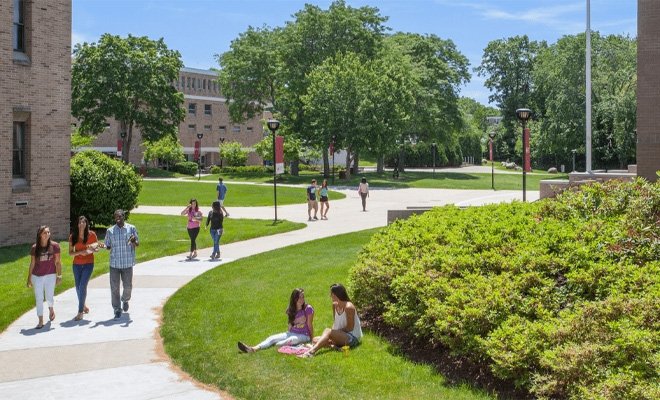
x=83 y=243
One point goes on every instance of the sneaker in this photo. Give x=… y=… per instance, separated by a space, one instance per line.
x=310 y=218
x=316 y=218
x=117 y=314
x=227 y=216
x=125 y=306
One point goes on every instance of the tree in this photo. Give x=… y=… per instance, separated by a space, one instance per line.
x=292 y=148
x=130 y=80
x=167 y=149
x=234 y=153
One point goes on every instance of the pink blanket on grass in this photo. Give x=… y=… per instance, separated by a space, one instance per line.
x=295 y=350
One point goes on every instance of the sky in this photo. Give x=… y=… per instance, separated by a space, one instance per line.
x=201 y=29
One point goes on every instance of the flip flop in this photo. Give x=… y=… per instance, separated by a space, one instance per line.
x=51 y=316
x=39 y=326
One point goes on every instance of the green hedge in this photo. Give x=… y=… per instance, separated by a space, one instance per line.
x=186 y=167
x=247 y=170
x=561 y=296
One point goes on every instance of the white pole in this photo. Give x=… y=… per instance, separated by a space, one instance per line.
x=588 y=87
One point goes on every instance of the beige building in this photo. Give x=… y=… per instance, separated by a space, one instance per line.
x=35 y=116
x=206 y=114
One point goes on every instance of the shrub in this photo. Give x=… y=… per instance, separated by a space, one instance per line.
x=233 y=153
x=560 y=296
x=245 y=170
x=186 y=167
x=100 y=185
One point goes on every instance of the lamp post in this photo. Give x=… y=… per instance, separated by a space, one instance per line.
x=200 y=135
x=524 y=114
x=122 y=134
x=222 y=140
x=573 y=151
x=491 y=135
x=434 y=147
x=273 y=125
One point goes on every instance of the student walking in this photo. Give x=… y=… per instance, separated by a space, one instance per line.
x=363 y=189
x=44 y=273
x=83 y=243
x=221 y=188
x=323 y=194
x=215 y=218
x=194 y=219
x=121 y=239
x=312 y=203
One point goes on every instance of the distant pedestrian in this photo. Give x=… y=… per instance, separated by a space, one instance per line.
x=194 y=220
x=215 y=218
x=121 y=239
x=45 y=272
x=83 y=243
x=363 y=189
x=221 y=188
x=323 y=194
x=312 y=203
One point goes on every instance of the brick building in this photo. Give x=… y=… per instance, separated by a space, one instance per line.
x=648 y=88
x=35 y=117
x=206 y=113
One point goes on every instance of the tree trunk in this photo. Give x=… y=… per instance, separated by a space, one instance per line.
x=127 y=129
x=380 y=164
x=349 y=159
x=356 y=162
x=326 y=164
x=295 y=168
x=402 y=159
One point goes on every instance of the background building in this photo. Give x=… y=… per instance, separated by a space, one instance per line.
x=206 y=113
x=35 y=116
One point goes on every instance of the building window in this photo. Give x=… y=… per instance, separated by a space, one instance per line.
x=204 y=84
x=192 y=128
x=223 y=129
x=207 y=127
x=249 y=129
x=19 y=26
x=236 y=128
x=193 y=83
x=192 y=108
x=207 y=109
x=18 y=154
x=188 y=82
x=183 y=82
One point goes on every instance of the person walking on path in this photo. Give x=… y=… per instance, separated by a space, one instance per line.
x=194 y=219
x=221 y=188
x=301 y=325
x=363 y=189
x=216 y=219
x=323 y=194
x=83 y=243
x=45 y=272
x=312 y=203
x=121 y=240
x=346 y=329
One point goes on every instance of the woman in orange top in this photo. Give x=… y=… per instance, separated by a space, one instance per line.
x=82 y=245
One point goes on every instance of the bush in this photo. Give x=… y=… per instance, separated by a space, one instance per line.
x=186 y=167
x=244 y=170
x=560 y=296
x=233 y=153
x=100 y=185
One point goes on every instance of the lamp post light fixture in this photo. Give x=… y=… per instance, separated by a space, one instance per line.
x=574 y=151
x=524 y=114
x=273 y=125
x=200 y=135
x=491 y=135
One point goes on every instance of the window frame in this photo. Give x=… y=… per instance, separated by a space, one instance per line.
x=21 y=150
x=18 y=27
x=192 y=108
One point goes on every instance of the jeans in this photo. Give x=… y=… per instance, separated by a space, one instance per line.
x=193 y=232
x=283 y=339
x=216 y=234
x=43 y=284
x=126 y=277
x=81 y=275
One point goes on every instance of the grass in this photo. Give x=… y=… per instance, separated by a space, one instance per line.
x=159 y=236
x=172 y=193
x=245 y=300
x=441 y=180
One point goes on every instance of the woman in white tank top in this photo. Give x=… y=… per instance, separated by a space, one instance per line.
x=346 y=329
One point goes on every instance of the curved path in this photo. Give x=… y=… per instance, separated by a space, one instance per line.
x=100 y=357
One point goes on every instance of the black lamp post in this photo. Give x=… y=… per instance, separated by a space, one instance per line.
x=491 y=135
x=524 y=114
x=222 y=140
x=434 y=147
x=273 y=125
x=200 y=135
x=122 y=134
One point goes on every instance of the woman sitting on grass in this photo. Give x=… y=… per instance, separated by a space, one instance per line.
x=346 y=329
x=301 y=326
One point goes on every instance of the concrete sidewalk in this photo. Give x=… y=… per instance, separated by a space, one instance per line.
x=99 y=357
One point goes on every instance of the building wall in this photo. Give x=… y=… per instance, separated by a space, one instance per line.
x=36 y=89
x=199 y=87
x=648 y=88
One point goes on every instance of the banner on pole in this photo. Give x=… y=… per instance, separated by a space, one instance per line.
x=527 y=165
x=120 y=143
x=198 y=144
x=279 y=154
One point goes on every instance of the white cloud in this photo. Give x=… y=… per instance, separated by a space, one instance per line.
x=77 y=37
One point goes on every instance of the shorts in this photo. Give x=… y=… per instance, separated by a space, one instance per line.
x=222 y=202
x=352 y=340
x=324 y=199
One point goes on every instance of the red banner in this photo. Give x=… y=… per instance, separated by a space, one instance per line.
x=120 y=143
x=198 y=144
x=490 y=149
x=279 y=154
x=527 y=151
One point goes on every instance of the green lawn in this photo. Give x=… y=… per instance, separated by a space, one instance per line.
x=173 y=193
x=439 y=180
x=159 y=236
x=245 y=300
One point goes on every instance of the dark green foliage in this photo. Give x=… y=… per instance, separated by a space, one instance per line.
x=561 y=296
x=100 y=185
x=186 y=167
x=244 y=170
x=421 y=155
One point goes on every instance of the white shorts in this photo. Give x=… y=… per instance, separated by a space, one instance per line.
x=221 y=202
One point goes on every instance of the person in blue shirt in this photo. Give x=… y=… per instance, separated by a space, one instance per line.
x=121 y=239
x=222 y=192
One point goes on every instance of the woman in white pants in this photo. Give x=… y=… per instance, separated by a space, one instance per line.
x=45 y=272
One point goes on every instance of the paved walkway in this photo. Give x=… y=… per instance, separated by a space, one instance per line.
x=100 y=358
